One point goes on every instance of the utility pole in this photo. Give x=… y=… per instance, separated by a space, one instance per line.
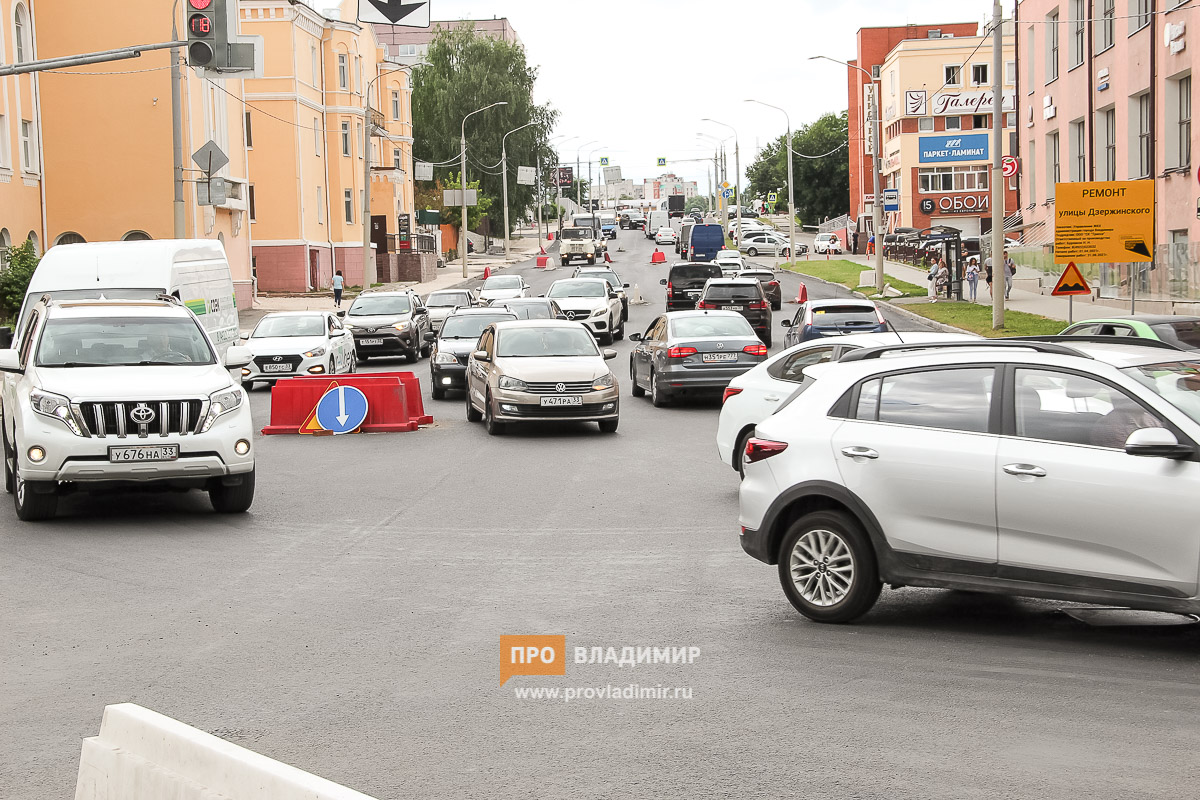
x=179 y=207
x=462 y=179
x=368 y=262
x=998 y=165
x=877 y=206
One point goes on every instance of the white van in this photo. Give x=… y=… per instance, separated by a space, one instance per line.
x=194 y=270
x=656 y=220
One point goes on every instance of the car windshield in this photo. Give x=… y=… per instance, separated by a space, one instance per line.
x=311 y=325
x=758 y=276
x=122 y=342
x=448 y=299
x=1185 y=334
x=370 y=305
x=578 y=288
x=470 y=326
x=545 y=342
x=692 y=272
x=536 y=310
x=1177 y=382
x=730 y=291
x=828 y=316
x=693 y=327
x=577 y=233
x=502 y=282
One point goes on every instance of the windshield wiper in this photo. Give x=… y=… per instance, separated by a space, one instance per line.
x=79 y=364
x=156 y=364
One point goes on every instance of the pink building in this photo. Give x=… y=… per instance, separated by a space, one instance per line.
x=1110 y=99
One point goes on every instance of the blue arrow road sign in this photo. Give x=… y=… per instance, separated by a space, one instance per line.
x=342 y=409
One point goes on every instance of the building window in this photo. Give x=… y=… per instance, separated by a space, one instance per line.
x=938 y=180
x=1144 y=132
x=349 y=198
x=28 y=149
x=248 y=132
x=1010 y=73
x=981 y=121
x=320 y=205
x=1109 y=143
x=312 y=59
x=1010 y=120
x=404 y=50
x=358 y=136
x=358 y=74
x=1106 y=25
x=1141 y=18
x=1053 y=165
x=952 y=74
x=250 y=201
x=1052 y=47
x=345 y=138
x=1030 y=43
x=925 y=124
x=1178 y=260
x=395 y=105
x=1078 y=151
x=979 y=75
x=1031 y=179
x=1078 y=23
x=1179 y=121
x=954 y=123
x=395 y=158
x=70 y=237
x=4 y=162
x=343 y=72
x=21 y=34
x=317 y=135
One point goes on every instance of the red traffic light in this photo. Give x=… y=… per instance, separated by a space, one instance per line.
x=200 y=5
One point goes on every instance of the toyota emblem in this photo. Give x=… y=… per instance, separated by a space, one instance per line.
x=142 y=414
x=277 y=358
x=560 y=387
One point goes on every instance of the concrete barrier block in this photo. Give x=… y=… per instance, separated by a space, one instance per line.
x=143 y=755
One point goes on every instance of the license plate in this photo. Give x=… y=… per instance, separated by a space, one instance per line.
x=277 y=368
x=694 y=294
x=158 y=452
x=735 y=308
x=567 y=400
x=370 y=341
x=709 y=358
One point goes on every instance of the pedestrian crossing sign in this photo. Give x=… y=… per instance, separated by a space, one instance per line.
x=662 y=162
x=604 y=161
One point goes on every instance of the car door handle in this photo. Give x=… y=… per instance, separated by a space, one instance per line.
x=1025 y=469
x=859 y=452
x=773 y=398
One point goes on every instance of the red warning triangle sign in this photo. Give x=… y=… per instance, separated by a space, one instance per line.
x=310 y=424
x=1071 y=282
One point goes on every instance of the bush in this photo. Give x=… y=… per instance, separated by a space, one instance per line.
x=16 y=270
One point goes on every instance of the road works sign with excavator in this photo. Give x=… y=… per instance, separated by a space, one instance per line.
x=1103 y=221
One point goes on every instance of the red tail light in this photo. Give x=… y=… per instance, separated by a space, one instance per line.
x=773 y=283
x=755 y=350
x=670 y=290
x=758 y=304
x=760 y=449
x=702 y=304
x=730 y=391
x=681 y=352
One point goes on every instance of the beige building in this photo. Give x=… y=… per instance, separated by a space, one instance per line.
x=305 y=127
x=20 y=134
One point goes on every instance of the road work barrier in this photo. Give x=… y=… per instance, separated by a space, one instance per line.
x=393 y=404
x=543 y=262
x=658 y=257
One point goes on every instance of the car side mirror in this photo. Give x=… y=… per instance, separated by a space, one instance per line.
x=609 y=354
x=635 y=337
x=481 y=355
x=430 y=336
x=787 y=323
x=624 y=285
x=663 y=281
x=1156 y=443
x=10 y=361
x=244 y=336
x=237 y=357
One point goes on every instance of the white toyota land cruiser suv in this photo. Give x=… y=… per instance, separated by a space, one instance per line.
x=102 y=394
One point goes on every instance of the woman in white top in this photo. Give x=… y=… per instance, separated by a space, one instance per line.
x=973 y=276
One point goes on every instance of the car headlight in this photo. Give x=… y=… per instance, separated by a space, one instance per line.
x=512 y=383
x=316 y=351
x=401 y=326
x=444 y=358
x=53 y=405
x=604 y=382
x=598 y=312
x=219 y=403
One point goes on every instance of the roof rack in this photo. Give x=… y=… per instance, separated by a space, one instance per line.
x=1137 y=341
x=1040 y=347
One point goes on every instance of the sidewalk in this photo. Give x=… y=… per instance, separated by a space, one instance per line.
x=1019 y=300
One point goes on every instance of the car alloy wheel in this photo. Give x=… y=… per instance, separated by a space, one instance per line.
x=828 y=567
x=752 y=252
x=822 y=567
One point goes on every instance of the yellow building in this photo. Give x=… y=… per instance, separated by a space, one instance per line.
x=305 y=124
x=20 y=141
x=107 y=151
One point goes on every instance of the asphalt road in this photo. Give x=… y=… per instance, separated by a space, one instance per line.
x=349 y=625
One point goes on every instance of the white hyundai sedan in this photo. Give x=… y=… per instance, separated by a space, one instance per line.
x=288 y=343
x=756 y=394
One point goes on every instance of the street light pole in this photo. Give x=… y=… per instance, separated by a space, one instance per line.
x=998 y=165
x=791 y=185
x=578 y=177
x=504 y=180
x=737 y=171
x=876 y=163
x=462 y=181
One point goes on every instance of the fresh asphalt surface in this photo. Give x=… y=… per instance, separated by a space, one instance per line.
x=349 y=625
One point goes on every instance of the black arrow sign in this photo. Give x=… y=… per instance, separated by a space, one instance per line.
x=395 y=10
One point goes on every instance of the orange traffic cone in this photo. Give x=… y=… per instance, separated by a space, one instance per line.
x=542 y=250
x=487 y=273
x=607 y=258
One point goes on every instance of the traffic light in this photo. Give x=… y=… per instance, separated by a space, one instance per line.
x=207 y=26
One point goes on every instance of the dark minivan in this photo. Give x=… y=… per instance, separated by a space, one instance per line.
x=707 y=240
x=743 y=295
x=685 y=282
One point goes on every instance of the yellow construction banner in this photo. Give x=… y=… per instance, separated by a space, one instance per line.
x=1103 y=221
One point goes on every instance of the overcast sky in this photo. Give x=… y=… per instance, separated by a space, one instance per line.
x=638 y=76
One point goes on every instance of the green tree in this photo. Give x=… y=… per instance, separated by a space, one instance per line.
x=16 y=270
x=697 y=203
x=452 y=215
x=463 y=72
x=822 y=185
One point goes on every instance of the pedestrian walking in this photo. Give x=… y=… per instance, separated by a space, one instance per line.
x=871 y=245
x=987 y=274
x=973 y=277
x=1010 y=269
x=339 y=283
x=854 y=245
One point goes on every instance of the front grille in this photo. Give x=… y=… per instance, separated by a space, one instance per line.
x=462 y=358
x=134 y=417
x=569 y=387
x=261 y=361
x=585 y=410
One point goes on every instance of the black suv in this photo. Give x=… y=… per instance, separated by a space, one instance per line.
x=685 y=282
x=389 y=324
x=743 y=295
x=455 y=342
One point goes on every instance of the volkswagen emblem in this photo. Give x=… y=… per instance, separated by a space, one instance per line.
x=560 y=387
x=142 y=414
x=277 y=358
x=720 y=345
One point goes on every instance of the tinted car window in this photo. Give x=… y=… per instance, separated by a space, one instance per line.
x=951 y=399
x=540 y=310
x=1178 y=382
x=445 y=299
x=689 y=327
x=733 y=292
x=685 y=272
x=838 y=315
x=368 y=305
x=546 y=342
x=791 y=368
x=1180 y=334
x=288 y=326
x=470 y=326
x=1073 y=409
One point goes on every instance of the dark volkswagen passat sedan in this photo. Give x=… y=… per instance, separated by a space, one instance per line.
x=455 y=343
x=687 y=351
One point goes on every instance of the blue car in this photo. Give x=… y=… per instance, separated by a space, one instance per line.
x=820 y=318
x=608 y=228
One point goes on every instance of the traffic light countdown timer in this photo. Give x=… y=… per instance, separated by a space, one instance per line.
x=201 y=28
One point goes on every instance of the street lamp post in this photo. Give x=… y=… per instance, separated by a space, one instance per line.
x=791 y=185
x=462 y=180
x=504 y=181
x=877 y=206
x=578 y=179
x=590 y=195
x=737 y=171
